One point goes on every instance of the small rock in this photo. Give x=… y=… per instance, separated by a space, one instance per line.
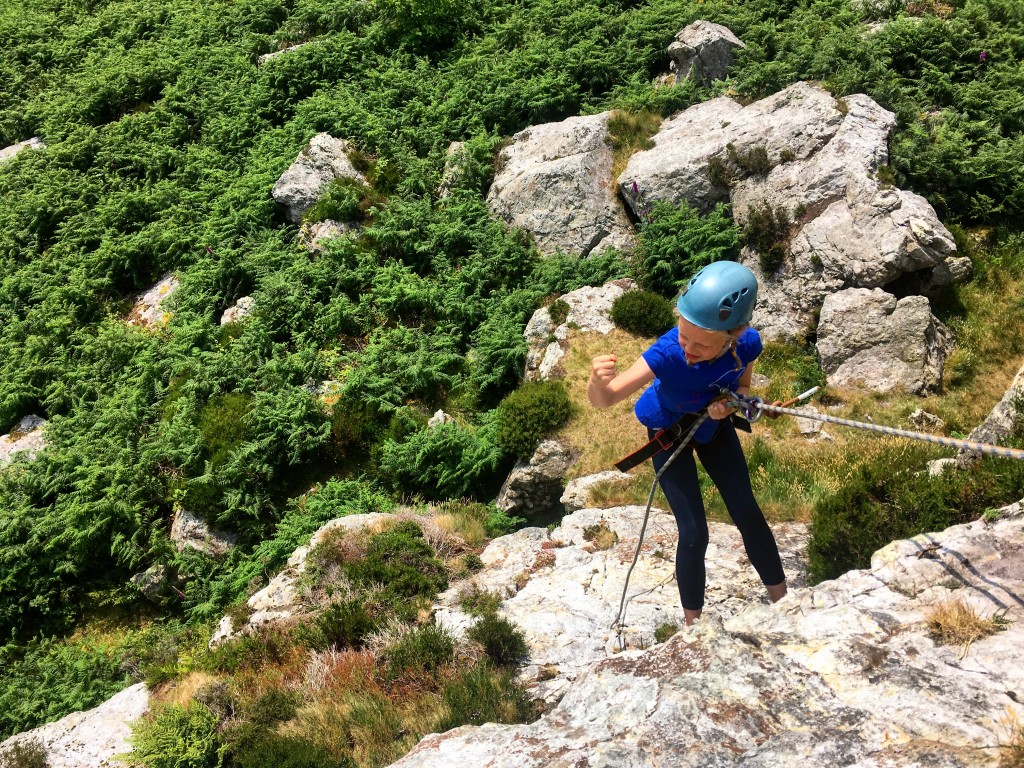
x=241 y=310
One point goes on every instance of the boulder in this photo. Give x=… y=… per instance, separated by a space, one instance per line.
x=534 y=487
x=844 y=673
x=159 y=584
x=870 y=339
x=589 y=311
x=324 y=159
x=1000 y=423
x=26 y=439
x=314 y=236
x=91 y=739
x=554 y=181
x=439 y=418
x=189 y=531
x=577 y=492
x=817 y=160
x=150 y=309
x=239 y=312
x=703 y=51
x=8 y=153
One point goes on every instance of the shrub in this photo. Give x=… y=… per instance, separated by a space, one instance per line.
x=678 y=241
x=528 y=413
x=720 y=173
x=767 y=231
x=425 y=649
x=558 y=311
x=479 y=602
x=222 y=423
x=643 y=313
x=402 y=561
x=343 y=199
x=275 y=705
x=953 y=622
x=483 y=695
x=177 y=737
x=346 y=624
x=600 y=536
x=251 y=746
x=664 y=632
x=502 y=642
x=754 y=161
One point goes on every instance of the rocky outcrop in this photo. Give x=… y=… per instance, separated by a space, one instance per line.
x=8 y=153
x=563 y=588
x=845 y=673
x=189 y=531
x=534 y=487
x=279 y=600
x=150 y=309
x=324 y=159
x=589 y=310
x=26 y=439
x=239 y=312
x=90 y=739
x=816 y=159
x=1001 y=421
x=703 y=51
x=868 y=338
x=554 y=181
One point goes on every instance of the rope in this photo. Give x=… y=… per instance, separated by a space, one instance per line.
x=620 y=617
x=749 y=404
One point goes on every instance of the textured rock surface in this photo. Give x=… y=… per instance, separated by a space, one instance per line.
x=26 y=439
x=1000 y=423
x=563 y=590
x=314 y=236
x=703 y=51
x=577 y=492
x=869 y=339
x=534 y=487
x=841 y=674
x=9 y=152
x=90 y=739
x=589 y=311
x=239 y=312
x=850 y=230
x=189 y=531
x=555 y=182
x=324 y=159
x=150 y=310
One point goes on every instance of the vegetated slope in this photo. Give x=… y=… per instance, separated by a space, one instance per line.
x=164 y=138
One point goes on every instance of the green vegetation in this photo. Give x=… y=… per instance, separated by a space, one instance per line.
x=164 y=136
x=644 y=313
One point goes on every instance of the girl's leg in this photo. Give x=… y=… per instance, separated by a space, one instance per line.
x=682 y=489
x=724 y=462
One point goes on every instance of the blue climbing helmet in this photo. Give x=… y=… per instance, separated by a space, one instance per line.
x=720 y=297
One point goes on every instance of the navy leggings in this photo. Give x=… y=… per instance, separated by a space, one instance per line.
x=722 y=458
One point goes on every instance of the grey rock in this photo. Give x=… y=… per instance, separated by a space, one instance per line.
x=439 y=418
x=263 y=59
x=25 y=440
x=240 y=311
x=870 y=339
x=922 y=419
x=315 y=236
x=151 y=309
x=534 y=487
x=454 y=169
x=91 y=739
x=808 y=427
x=577 y=491
x=703 y=51
x=938 y=467
x=158 y=584
x=189 y=531
x=1000 y=423
x=7 y=153
x=589 y=312
x=554 y=181
x=324 y=159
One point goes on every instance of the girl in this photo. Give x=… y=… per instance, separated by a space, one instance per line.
x=712 y=347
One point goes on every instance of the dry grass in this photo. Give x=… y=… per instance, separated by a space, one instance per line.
x=1011 y=753
x=953 y=622
x=600 y=536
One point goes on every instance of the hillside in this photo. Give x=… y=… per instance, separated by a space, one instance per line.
x=194 y=377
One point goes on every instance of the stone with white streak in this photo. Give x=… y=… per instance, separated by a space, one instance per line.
x=91 y=739
x=843 y=674
x=26 y=439
x=555 y=182
x=868 y=338
x=589 y=312
x=324 y=159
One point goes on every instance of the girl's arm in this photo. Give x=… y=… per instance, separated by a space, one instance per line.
x=605 y=388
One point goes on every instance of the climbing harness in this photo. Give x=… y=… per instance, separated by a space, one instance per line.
x=620 y=617
x=754 y=407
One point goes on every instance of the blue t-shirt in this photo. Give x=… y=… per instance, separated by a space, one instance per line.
x=679 y=388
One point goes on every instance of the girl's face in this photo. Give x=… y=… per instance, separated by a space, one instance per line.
x=700 y=344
